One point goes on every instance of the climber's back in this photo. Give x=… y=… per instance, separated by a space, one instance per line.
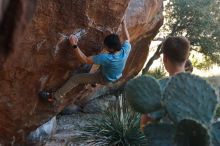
x=113 y=63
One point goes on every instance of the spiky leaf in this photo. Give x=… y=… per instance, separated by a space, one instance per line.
x=189 y=96
x=144 y=94
x=118 y=126
x=159 y=134
x=215 y=133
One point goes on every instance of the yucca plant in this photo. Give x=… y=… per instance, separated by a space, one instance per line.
x=118 y=127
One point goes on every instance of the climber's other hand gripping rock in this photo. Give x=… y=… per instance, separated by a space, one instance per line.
x=73 y=40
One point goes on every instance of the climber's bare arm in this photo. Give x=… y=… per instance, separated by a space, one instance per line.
x=80 y=55
x=125 y=31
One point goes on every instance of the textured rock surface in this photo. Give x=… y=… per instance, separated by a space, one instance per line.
x=37 y=60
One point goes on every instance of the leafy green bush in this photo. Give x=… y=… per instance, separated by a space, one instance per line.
x=157 y=73
x=118 y=127
x=202 y=64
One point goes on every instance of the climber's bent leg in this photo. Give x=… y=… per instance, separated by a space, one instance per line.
x=85 y=78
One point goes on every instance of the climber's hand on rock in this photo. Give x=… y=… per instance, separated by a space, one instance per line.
x=125 y=30
x=73 y=40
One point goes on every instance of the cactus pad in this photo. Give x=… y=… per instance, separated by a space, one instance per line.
x=158 y=114
x=191 y=133
x=159 y=134
x=144 y=94
x=215 y=133
x=189 y=96
x=163 y=83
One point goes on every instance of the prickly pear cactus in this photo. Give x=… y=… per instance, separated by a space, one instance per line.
x=163 y=83
x=189 y=97
x=160 y=134
x=192 y=133
x=144 y=94
x=215 y=133
x=157 y=115
x=190 y=103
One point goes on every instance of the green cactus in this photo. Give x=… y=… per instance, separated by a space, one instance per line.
x=191 y=133
x=190 y=103
x=163 y=83
x=189 y=97
x=144 y=94
x=160 y=134
x=157 y=115
x=215 y=133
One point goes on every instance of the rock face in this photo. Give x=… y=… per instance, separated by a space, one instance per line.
x=37 y=58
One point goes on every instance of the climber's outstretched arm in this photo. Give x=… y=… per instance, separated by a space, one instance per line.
x=80 y=55
x=125 y=30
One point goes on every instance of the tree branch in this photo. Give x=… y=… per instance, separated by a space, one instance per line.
x=152 y=59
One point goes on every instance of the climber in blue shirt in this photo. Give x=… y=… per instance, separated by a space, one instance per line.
x=112 y=64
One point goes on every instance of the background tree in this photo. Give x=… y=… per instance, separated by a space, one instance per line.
x=199 y=21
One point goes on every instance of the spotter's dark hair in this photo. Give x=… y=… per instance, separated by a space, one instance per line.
x=176 y=49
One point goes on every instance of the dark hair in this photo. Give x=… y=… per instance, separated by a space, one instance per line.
x=112 y=41
x=176 y=49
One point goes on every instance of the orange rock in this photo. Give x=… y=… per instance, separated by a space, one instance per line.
x=37 y=59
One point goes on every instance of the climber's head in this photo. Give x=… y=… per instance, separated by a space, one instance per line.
x=113 y=43
x=175 y=53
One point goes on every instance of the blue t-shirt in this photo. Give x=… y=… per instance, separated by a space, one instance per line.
x=112 y=65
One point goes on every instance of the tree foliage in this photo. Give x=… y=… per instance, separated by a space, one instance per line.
x=199 y=21
x=157 y=73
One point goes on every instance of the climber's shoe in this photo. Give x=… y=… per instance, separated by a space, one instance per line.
x=93 y=85
x=46 y=96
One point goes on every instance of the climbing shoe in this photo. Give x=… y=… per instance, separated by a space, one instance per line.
x=46 y=96
x=93 y=85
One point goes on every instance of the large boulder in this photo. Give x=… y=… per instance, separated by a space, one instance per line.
x=37 y=58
